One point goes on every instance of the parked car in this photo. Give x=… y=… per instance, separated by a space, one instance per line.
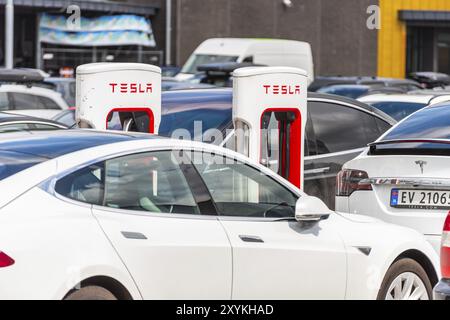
x=14 y=122
x=404 y=84
x=21 y=92
x=431 y=80
x=135 y=216
x=403 y=177
x=356 y=91
x=442 y=290
x=399 y=106
x=338 y=129
x=66 y=87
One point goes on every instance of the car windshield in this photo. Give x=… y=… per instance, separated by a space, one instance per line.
x=14 y=162
x=398 y=110
x=196 y=60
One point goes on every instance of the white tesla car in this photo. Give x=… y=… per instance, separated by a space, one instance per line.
x=403 y=177
x=109 y=215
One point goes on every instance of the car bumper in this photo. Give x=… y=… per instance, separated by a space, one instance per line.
x=442 y=290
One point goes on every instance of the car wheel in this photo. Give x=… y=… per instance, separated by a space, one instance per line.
x=405 y=280
x=91 y=293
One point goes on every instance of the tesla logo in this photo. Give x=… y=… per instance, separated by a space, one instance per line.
x=282 y=89
x=131 y=87
x=421 y=164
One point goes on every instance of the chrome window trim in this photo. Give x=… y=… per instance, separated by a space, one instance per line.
x=334 y=154
x=32 y=122
x=255 y=219
x=154 y=214
x=347 y=105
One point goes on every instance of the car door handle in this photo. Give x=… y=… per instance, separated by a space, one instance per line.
x=251 y=239
x=318 y=170
x=133 y=235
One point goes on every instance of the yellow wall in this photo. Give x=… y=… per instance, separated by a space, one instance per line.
x=392 y=35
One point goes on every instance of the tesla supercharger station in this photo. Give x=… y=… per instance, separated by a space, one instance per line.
x=269 y=115
x=119 y=96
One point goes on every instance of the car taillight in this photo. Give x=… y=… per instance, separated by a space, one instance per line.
x=348 y=181
x=445 y=250
x=5 y=260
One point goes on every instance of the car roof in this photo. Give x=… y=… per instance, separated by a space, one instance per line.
x=175 y=101
x=349 y=85
x=325 y=81
x=394 y=80
x=31 y=89
x=412 y=98
x=55 y=143
x=210 y=95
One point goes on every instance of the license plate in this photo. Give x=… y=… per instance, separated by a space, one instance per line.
x=420 y=199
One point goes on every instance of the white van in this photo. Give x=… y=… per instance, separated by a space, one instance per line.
x=270 y=52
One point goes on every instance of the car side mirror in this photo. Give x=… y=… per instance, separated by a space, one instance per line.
x=311 y=209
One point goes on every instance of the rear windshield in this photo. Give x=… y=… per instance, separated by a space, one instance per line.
x=398 y=110
x=13 y=162
x=426 y=132
x=430 y=123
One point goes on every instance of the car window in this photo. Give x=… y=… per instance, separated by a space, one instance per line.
x=309 y=141
x=383 y=126
x=85 y=185
x=25 y=101
x=398 y=110
x=151 y=182
x=41 y=126
x=241 y=190
x=48 y=103
x=14 y=127
x=4 y=102
x=340 y=128
x=66 y=117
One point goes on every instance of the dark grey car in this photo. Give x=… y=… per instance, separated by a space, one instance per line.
x=337 y=129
